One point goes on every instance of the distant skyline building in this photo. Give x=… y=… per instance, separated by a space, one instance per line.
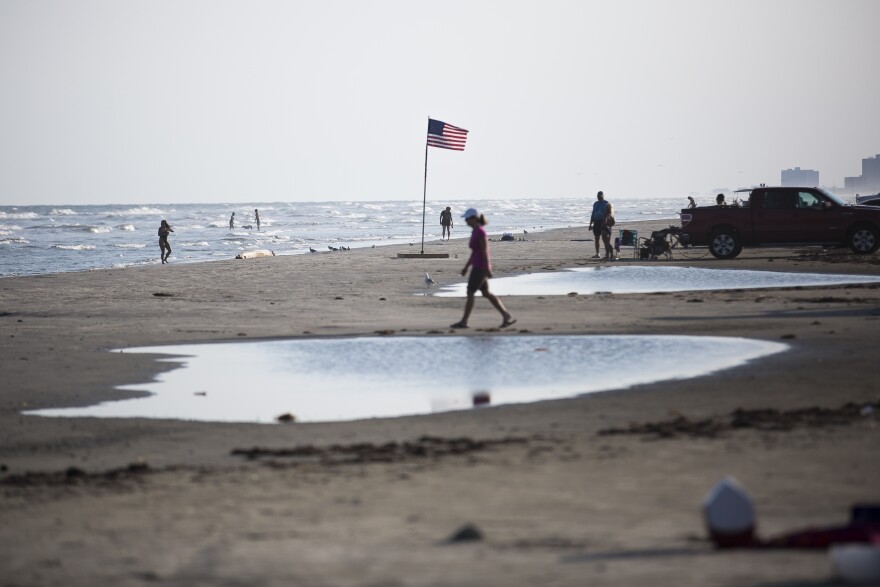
x=800 y=177
x=869 y=181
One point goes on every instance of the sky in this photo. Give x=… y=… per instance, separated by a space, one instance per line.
x=162 y=101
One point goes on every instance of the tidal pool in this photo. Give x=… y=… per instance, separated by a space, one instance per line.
x=648 y=279
x=375 y=377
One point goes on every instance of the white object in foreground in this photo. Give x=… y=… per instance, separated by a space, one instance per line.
x=856 y=563
x=729 y=514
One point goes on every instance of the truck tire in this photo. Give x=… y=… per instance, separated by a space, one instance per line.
x=863 y=239
x=724 y=243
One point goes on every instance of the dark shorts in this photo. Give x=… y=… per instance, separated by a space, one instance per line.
x=597 y=230
x=479 y=280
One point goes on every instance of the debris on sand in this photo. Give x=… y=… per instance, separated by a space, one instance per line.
x=77 y=476
x=768 y=419
x=467 y=533
x=368 y=452
x=255 y=254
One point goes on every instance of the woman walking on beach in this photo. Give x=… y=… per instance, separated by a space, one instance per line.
x=164 y=229
x=481 y=270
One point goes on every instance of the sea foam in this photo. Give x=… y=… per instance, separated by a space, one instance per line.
x=75 y=247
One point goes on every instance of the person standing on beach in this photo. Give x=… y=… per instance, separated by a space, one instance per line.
x=481 y=270
x=598 y=217
x=232 y=221
x=164 y=229
x=446 y=223
x=606 y=233
x=257 y=218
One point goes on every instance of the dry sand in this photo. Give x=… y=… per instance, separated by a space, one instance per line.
x=132 y=502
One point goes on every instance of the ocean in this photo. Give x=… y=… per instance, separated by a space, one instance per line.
x=36 y=240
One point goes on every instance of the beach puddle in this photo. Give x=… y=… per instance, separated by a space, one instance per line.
x=376 y=377
x=642 y=279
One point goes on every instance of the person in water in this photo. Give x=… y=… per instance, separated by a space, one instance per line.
x=257 y=218
x=164 y=247
x=232 y=221
x=481 y=270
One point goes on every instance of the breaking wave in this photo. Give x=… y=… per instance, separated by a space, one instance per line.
x=19 y=215
x=74 y=247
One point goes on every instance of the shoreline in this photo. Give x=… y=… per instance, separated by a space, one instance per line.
x=371 y=245
x=633 y=494
x=115 y=236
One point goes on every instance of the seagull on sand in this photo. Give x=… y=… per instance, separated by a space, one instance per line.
x=311 y=250
x=428 y=281
x=332 y=248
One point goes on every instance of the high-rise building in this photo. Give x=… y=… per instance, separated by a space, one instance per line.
x=869 y=181
x=871 y=171
x=798 y=177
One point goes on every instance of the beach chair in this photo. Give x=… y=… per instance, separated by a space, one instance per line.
x=630 y=238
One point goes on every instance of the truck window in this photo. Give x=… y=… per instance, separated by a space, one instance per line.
x=808 y=200
x=780 y=200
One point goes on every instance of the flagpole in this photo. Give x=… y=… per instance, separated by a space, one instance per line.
x=425 y=193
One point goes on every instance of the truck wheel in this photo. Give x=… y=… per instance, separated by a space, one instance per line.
x=724 y=243
x=864 y=239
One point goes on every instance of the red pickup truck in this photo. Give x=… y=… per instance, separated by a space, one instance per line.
x=782 y=216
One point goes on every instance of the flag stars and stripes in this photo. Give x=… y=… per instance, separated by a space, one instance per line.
x=446 y=136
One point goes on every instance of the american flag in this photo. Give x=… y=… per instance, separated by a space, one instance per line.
x=445 y=135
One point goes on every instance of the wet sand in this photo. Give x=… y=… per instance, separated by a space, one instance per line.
x=558 y=499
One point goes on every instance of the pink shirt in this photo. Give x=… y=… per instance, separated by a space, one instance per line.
x=479 y=261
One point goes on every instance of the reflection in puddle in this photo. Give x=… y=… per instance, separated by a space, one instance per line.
x=357 y=378
x=642 y=279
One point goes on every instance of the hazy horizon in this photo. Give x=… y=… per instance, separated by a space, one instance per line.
x=226 y=101
x=432 y=201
